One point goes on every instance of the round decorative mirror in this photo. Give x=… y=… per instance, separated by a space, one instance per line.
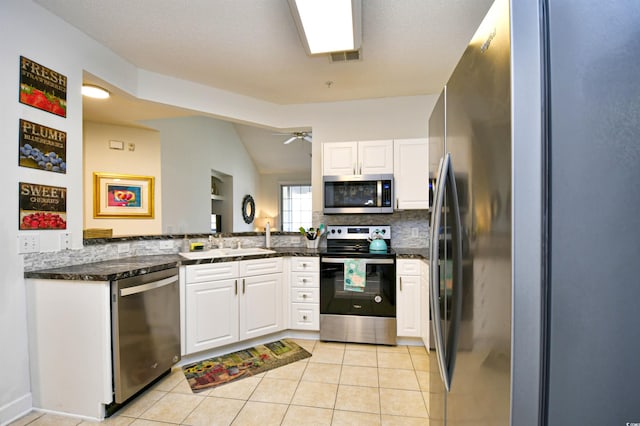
x=248 y=209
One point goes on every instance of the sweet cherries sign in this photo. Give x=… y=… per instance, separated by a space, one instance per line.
x=42 y=207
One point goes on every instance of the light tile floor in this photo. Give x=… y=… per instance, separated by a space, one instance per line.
x=341 y=384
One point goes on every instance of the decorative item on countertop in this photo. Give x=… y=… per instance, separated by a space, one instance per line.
x=312 y=235
x=377 y=244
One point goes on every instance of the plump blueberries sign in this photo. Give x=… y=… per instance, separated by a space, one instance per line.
x=42 y=87
x=42 y=147
x=42 y=207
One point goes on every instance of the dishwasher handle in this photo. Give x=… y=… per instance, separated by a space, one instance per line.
x=148 y=286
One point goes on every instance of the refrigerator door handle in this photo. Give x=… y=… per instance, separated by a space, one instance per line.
x=456 y=303
x=434 y=259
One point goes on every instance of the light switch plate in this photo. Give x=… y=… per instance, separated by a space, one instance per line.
x=28 y=243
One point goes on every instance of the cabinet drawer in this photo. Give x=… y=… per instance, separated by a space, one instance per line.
x=305 y=316
x=408 y=267
x=302 y=264
x=305 y=279
x=260 y=266
x=211 y=271
x=305 y=295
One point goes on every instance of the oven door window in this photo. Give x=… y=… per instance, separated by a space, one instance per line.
x=377 y=297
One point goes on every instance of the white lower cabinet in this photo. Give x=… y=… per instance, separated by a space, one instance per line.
x=305 y=293
x=408 y=298
x=261 y=305
x=424 y=304
x=230 y=301
x=211 y=314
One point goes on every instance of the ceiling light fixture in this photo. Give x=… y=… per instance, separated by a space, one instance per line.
x=328 y=25
x=95 y=91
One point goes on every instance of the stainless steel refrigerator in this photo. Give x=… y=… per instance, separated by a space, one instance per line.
x=470 y=256
x=535 y=278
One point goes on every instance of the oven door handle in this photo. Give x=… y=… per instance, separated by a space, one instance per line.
x=367 y=260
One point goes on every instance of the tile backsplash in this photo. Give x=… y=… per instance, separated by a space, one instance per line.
x=409 y=229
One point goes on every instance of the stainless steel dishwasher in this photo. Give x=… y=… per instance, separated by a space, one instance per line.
x=145 y=313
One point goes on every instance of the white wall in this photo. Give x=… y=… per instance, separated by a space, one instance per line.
x=144 y=161
x=191 y=147
x=53 y=43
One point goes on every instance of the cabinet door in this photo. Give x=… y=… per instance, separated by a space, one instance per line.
x=260 y=305
x=339 y=158
x=425 y=323
x=375 y=157
x=408 y=305
x=212 y=314
x=411 y=174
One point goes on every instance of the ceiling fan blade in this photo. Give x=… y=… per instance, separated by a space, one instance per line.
x=307 y=138
x=291 y=139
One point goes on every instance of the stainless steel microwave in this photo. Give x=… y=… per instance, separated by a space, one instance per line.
x=358 y=194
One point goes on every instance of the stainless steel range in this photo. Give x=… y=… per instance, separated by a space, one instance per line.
x=357 y=287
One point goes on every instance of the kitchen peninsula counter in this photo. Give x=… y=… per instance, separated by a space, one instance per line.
x=125 y=267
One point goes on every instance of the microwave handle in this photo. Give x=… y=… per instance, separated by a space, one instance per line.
x=379 y=190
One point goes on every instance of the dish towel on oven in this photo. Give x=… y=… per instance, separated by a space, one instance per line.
x=355 y=275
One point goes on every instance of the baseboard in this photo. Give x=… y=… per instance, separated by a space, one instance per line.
x=15 y=409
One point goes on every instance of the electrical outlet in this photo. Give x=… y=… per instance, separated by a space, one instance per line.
x=414 y=233
x=65 y=241
x=123 y=248
x=29 y=243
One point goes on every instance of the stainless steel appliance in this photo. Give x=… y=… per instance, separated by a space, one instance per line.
x=358 y=194
x=357 y=288
x=145 y=312
x=544 y=99
x=470 y=251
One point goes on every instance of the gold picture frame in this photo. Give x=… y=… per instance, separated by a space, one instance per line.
x=122 y=196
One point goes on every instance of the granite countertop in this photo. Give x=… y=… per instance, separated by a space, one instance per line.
x=412 y=253
x=126 y=267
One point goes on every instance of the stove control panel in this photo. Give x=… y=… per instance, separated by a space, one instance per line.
x=357 y=232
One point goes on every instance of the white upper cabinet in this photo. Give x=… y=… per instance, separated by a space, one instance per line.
x=376 y=157
x=357 y=158
x=411 y=173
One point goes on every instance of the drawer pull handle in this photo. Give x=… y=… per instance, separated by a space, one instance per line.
x=304 y=317
x=304 y=280
x=304 y=296
x=400 y=283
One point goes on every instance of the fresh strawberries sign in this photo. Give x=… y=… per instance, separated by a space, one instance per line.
x=42 y=87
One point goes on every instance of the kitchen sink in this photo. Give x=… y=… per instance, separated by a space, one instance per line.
x=225 y=252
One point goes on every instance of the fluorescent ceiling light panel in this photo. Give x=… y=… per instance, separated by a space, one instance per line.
x=328 y=25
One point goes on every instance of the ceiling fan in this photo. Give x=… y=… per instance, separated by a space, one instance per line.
x=299 y=136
